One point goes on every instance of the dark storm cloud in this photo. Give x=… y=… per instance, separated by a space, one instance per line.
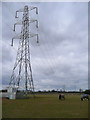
x=62 y=54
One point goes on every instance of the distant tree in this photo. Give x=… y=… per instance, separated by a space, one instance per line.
x=39 y=91
x=53 y=91
x=48 y=91
x=4 y=90
x=87 y=91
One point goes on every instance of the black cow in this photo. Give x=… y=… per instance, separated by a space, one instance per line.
x=85 y=96
x=61 y=96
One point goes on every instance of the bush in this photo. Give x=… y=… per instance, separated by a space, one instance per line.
x=87 y=92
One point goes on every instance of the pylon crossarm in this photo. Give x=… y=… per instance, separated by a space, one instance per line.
x=16 y=37
x=32 y=35
x=20 y=10
x=31 y=21
x=31 y=8
x=18 y=23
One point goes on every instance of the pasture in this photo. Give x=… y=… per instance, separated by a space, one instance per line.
x=45 y=106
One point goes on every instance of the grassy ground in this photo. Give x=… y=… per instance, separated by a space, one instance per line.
x=45 y=106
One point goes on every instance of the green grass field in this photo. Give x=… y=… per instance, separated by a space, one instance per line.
x=45 y=106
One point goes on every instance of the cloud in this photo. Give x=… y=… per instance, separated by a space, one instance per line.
x=61 y=58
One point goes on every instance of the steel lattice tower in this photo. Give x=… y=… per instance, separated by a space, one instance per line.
x=22 y=72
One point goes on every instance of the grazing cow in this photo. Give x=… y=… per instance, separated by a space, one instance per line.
x=61 y=96
x=85 y=96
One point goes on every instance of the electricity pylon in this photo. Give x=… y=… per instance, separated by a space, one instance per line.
x=22 y=72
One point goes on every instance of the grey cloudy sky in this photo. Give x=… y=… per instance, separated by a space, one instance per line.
x=61 y=58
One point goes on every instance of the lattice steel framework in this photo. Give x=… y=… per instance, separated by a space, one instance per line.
x=22 y=72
